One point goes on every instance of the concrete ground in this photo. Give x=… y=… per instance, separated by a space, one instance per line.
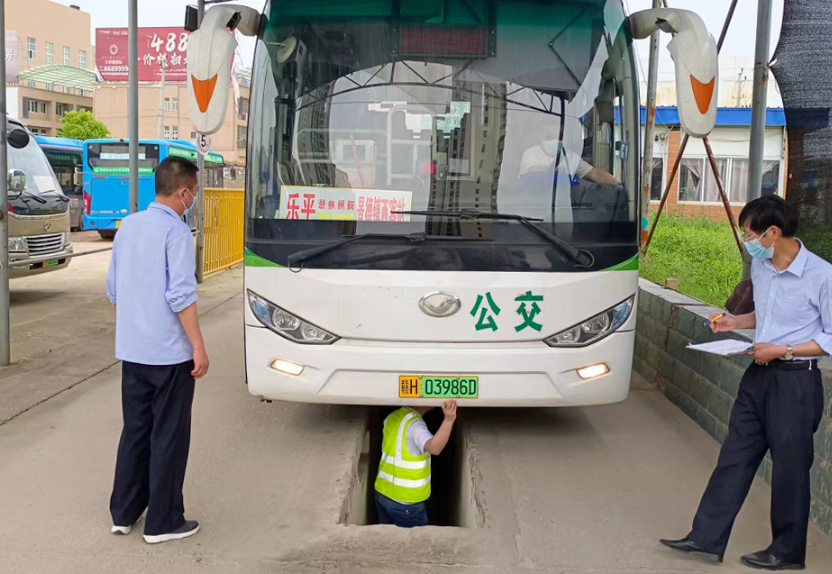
x=560 y=490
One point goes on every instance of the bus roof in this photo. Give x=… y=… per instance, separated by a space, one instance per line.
x=59 y=143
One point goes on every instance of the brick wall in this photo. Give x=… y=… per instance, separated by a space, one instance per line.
x=704 y=386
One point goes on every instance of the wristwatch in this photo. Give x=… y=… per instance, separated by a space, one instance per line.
x=789 y=353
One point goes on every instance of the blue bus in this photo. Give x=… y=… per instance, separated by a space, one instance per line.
x=66 y=158
x=107 y=182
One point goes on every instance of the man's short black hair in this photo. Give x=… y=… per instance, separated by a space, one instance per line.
x=173 y=174
x=769 y=211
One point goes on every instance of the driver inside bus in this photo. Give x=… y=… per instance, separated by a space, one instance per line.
x=542 y=158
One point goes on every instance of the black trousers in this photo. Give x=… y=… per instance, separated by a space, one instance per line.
x=777 y=410
x=153 y=452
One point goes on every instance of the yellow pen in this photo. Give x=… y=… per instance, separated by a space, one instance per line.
x=715 y=319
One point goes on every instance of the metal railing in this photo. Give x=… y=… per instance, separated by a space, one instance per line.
x=224 y=225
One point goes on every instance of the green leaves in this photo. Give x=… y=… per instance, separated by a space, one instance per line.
x=82 y=125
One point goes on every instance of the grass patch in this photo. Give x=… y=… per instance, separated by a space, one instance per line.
x=700 y=253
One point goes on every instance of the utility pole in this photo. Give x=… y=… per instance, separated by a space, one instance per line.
x=200 y=159
x=133 y=39
x=758 y=110
x=162 y=110
x=5 y=330
x=649 y=129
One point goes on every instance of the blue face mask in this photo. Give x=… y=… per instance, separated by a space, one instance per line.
x=756 y=250
x=188 y=209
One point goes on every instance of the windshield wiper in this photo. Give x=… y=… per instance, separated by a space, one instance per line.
x=29 y=195
x=298 y=258
x=580 y=257
x=60 y=196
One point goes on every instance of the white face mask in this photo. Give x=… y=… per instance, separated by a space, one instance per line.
x=188 y=209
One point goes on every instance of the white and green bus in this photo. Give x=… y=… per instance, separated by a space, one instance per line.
x=442 y=196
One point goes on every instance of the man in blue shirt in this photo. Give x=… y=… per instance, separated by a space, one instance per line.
x=779 y=404
x=152 y=283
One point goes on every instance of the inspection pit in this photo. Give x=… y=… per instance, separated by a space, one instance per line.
x=454 y=500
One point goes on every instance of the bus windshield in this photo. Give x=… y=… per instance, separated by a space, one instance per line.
x=364 y=111
x=114 y=158
x=42 y=194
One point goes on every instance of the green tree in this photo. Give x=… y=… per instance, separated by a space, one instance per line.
x=82 y=125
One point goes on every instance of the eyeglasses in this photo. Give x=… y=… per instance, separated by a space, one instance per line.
x=746 y=238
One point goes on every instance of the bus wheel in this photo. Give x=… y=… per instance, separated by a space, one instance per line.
x=108 y=234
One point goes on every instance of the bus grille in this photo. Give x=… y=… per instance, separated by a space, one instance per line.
x=45 y=244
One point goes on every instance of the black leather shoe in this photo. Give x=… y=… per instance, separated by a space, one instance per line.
x=688 y=546
x=763 y=560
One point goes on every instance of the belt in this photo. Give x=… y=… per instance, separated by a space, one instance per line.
x=782 y=365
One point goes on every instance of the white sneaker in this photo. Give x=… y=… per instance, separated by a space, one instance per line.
x=121 y=530
x=188 y=529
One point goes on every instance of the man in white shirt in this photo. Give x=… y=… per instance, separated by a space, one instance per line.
x=542 y=158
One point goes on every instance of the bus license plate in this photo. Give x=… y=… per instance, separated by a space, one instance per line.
x=438 y=387
x=50 y=263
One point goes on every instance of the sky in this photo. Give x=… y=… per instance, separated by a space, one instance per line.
x=738 y=51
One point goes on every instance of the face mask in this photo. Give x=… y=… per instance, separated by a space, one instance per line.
x=188 y=209
x=756 y=250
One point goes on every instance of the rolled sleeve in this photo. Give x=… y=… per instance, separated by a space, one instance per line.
x=112 y=278
x=824 y=339
x=181 y=256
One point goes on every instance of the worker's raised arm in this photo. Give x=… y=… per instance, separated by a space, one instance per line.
x=437 y=444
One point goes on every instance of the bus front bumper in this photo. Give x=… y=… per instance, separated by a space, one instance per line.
x=367 y=372
x=22 y=265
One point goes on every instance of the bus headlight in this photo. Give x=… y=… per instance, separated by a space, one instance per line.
x=18 y=245
x=287 y=325
x=594 y=329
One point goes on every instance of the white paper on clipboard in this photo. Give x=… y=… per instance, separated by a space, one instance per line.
x=724 y=348
x=44 y=183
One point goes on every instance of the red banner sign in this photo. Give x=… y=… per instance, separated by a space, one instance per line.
x=158 y=48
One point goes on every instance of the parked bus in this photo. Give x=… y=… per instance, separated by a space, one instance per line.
x=39 y=236
x=66 y=158
x=443 y=196
x=107 y=177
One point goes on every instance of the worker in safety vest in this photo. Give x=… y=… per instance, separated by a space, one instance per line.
x=403 y=482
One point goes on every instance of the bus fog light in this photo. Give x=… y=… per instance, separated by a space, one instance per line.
x=593 y=371
x=595 y=328
x=287 y=367
x=287 y=325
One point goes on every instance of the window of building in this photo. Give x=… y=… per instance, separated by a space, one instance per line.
x=62 y=109
x=242 y=137
x=167 y=104
x=32 y=84
x=175 y=104
x=739 y=179
x=167 y=132
x=697 y=182
x=82 y=59
x=174 y=133
x=32 y=45
x=50 y=53
x=244 y=104
x=657 y=180
x=67 y=90
x=37 y=107
x=67 y=56
x=193 y=135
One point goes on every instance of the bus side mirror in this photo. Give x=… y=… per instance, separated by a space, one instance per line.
x=210 y=50
x=17 y=180
x=694 y=55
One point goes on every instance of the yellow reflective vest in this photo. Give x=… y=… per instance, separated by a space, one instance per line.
x=402 y=476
